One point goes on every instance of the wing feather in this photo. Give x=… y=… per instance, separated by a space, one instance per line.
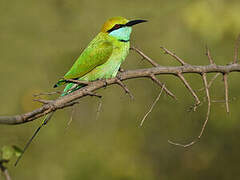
x=96 y=54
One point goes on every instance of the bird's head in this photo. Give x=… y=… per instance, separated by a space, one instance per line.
x=120 y=27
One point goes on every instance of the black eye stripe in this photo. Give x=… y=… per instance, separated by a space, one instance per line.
x=116 y=26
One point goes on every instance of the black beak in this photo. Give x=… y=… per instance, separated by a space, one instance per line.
x=133 y=22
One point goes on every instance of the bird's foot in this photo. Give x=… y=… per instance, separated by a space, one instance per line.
x=121 y=69
x=104 y=81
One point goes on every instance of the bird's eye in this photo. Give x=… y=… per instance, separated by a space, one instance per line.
x=117 y=26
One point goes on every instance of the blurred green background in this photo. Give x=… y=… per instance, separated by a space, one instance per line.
x=39 y=41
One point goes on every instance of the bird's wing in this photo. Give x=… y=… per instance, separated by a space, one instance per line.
x=97 y=53
x=94 y=55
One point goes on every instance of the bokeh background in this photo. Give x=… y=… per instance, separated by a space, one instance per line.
x=39 y=41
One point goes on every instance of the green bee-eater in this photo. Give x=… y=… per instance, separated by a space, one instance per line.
x=101 y=59
x=104 y=55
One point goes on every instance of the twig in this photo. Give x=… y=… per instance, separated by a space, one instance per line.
x=182 y=145
x=236 y=50
x=151 y=108
x=98 y=109
x=190 y=89
x=120 y=83
x=209 y=56
x=225 y=79
x=144 y=56
x=206 y=120
x=43 y=101
x=66 y=101
x=174 y=56
x=211 y=81
x=47 y=93
x=209 y=104
x=156 y=80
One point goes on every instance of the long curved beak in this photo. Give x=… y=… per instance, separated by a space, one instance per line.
x=134 y=22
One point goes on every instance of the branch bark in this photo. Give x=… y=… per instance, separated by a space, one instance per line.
x=70 y=100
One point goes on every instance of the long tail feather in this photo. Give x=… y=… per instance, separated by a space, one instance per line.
x=45 y=121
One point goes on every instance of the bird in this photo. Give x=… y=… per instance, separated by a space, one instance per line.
x=101 y=59
x=104 y=55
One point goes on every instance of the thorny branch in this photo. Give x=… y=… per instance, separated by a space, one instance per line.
x=178 y=71
x=68 y=100
x=174 y=56
x=206 y=120
x=190 y=89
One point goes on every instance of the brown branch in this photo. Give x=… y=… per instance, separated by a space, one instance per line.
x=69 y=100
x=174 y=56
x=190 y=89
x=156 y=80
x=47 y=93
x=120 y=83
x=211 y=81
x=236 y=50
x=206 y=120
x=154 y=103
x=144 y=56
x=182 y=145
x=225 y=79
x=43 y=101
x=209 y=56
x=209 y=104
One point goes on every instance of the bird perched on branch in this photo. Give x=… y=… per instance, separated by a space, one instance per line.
x=100 y=60
x=104 y=55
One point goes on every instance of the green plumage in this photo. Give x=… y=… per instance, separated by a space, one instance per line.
x=100 y=60
x=103 y=56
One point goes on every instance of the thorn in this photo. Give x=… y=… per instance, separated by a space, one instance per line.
x=209 y=56
x=174 y=56
x=144 y=56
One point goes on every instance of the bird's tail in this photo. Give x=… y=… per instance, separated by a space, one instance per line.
x=71 y=87
x=60 y=83
x=44 y=122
